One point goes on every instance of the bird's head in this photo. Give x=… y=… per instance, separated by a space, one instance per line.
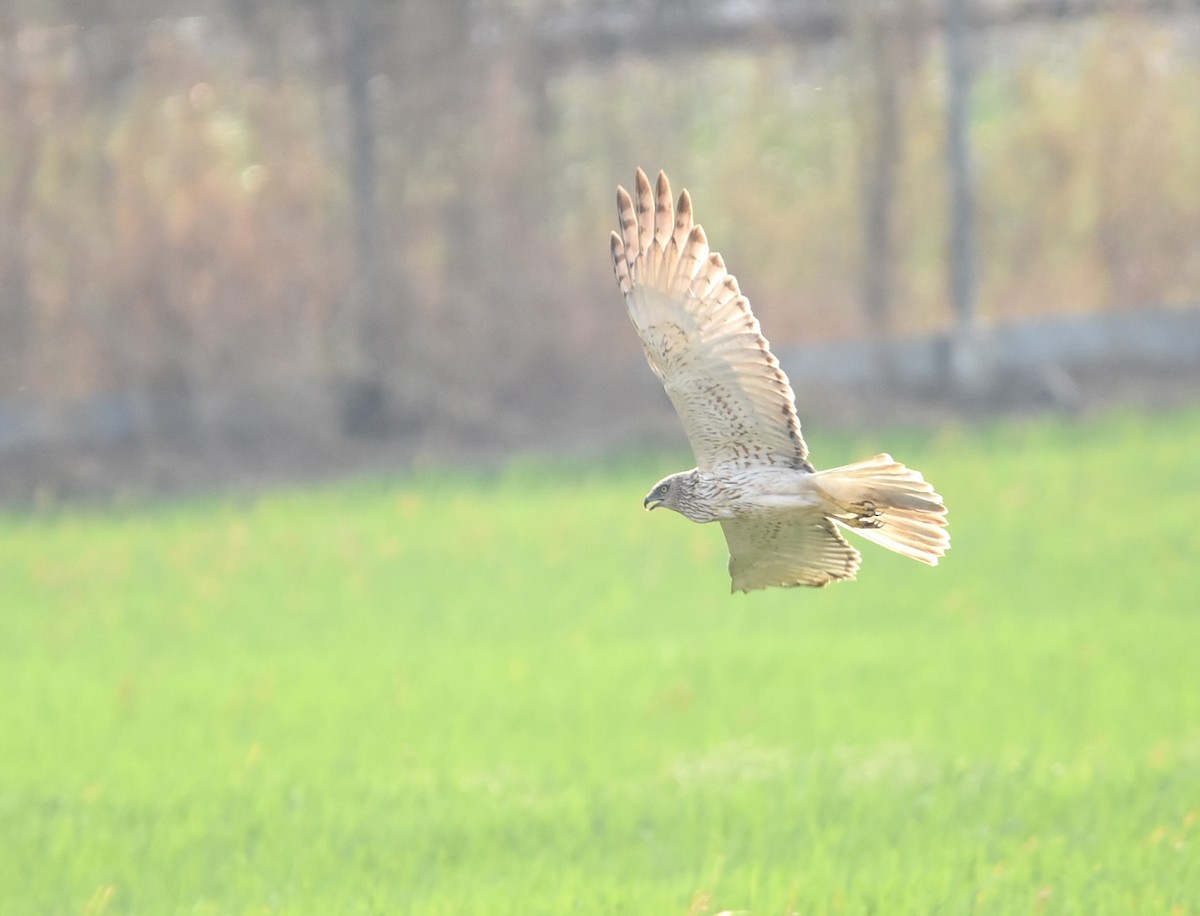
x=671 y=492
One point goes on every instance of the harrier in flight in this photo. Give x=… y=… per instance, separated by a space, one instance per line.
x=782 y=518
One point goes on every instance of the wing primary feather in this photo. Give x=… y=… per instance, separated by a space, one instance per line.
x=709 y=276
x=694 y=251
x=629 y=231
x=728 y=292
x=620 y=265
x=680 y=236
x=664 y=213
x=664 y=222
x=645 y=212
x=683 y=219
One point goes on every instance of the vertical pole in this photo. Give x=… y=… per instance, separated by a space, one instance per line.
x=885 y=150
x=966 y=360
x=363 y=181
x=363 y=354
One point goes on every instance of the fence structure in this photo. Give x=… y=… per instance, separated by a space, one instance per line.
x=401 y=210
x=1028 y=361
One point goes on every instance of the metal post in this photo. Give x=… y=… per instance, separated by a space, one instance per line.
x=967 y=363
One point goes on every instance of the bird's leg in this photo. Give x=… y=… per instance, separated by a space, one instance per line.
x=863 y=514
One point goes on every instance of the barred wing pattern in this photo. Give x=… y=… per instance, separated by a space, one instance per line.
x=796 y=549
x=700 y=337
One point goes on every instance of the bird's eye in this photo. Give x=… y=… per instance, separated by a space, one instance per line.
x=663 y=489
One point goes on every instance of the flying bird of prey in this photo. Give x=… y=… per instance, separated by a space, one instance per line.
x=782 y=518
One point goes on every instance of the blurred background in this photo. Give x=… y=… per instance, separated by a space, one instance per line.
x=257 y=241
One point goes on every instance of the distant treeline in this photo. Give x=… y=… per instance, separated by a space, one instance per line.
x=410 y=202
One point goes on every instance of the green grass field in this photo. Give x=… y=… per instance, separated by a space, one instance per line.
x=522 y=694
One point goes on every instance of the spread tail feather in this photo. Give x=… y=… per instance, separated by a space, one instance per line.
x=888 y=504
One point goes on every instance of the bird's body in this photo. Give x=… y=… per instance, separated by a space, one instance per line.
x=781 y=517
x=715 y=497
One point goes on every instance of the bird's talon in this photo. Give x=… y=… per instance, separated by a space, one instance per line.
x=866 y=515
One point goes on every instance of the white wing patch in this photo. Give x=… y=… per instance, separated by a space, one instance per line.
x=700 y=337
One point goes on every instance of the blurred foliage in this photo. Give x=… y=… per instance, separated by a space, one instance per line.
x=177 y=201
x=1088 y=170
x=175 y=225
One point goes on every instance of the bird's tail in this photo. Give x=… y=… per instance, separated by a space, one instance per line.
x=885 y=502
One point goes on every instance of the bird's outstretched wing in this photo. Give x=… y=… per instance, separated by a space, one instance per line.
x=700 y=336
x=802 y=548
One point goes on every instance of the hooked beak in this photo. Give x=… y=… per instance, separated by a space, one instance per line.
x=651 y=502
